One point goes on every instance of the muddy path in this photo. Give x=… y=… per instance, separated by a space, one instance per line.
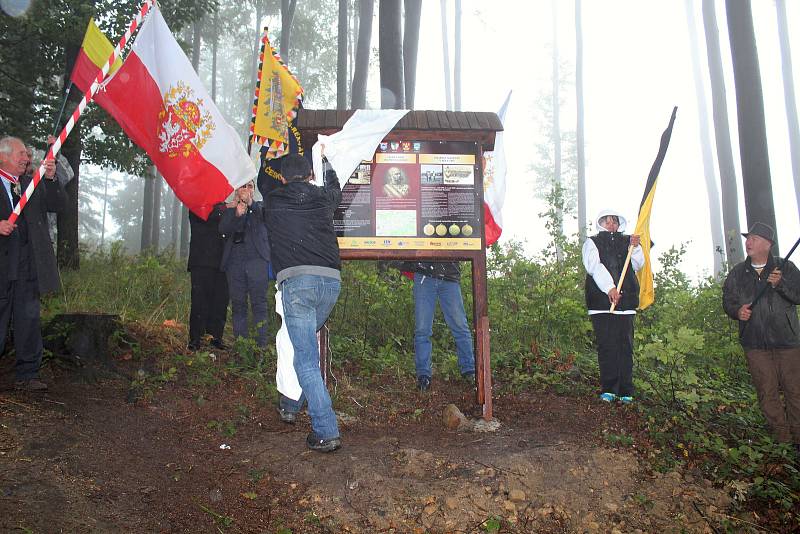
x=216 y=458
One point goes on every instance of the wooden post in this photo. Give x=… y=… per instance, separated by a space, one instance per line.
x=483 y=327
x=480 y=311
x=323 y=339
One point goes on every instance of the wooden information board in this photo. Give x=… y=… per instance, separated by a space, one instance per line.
x=420 y=197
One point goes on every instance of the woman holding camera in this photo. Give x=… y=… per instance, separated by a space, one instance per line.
x=245 y=261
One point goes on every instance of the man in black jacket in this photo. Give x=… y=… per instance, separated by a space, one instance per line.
x=440 y=281
x=768 y=330
x=305 y=258
x=245 y=260
x=209 y=309
x=27 y=261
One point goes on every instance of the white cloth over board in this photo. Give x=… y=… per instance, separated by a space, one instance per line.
x=285 y=376
x=355 y=142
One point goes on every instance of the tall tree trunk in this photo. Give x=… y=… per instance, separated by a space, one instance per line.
x=287 y=17
x=390 y=44
x=556 y=131
x=448 y=91
x=155 y=239
x=717 y=240
x=105 y=210
x=341 y=57
x=457 y=58
x=413 y=12
x=185 y=232
x=147 y=214
x=175 y=227
x=756 y=179
x=358 y=96
x=197 y=35
x=67 y=220
x=579 y=131
x=352 y=31
x=727 y=172
x=788 y=95
x=214 y=50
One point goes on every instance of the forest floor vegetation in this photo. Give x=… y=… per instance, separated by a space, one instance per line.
x=155 y=438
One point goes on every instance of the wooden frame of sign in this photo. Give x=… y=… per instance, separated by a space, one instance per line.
x=420 y=132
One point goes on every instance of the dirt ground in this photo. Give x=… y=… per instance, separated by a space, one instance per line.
x=89 y=457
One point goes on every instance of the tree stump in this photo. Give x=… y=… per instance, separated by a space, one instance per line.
x=82 y=337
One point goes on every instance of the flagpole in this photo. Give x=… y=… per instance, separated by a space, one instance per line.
x=780 y=268
x=56 y=146
x=622 y=276
x=257 y=90
x=61 y=111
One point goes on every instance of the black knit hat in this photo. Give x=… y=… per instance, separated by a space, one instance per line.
x=295 y=167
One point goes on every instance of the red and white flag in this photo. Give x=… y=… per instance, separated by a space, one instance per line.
x=494 y=183
x=158 y=99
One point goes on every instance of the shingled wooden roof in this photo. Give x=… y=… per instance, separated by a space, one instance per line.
x=323 y=119
x=474 y=125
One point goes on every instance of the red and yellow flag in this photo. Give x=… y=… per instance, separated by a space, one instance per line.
x=161 y=104
x=95 y=51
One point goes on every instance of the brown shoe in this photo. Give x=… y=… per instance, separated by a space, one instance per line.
x=34 y=385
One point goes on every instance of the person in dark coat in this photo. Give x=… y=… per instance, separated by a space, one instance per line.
x=209 y=283
x=305 y=253
x=604 y=258
x=769 y=331
x=245 y=260
x=27 y=261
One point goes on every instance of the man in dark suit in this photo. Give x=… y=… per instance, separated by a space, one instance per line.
x=27 y=261
x=245 y=260
x=209 y=284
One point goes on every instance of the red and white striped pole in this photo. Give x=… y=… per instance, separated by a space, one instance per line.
x=55 y=147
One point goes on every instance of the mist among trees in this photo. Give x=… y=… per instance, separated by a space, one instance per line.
x=354 y=53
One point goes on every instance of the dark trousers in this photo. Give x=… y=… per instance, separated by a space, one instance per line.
x=614 y=336
x=249 y=280
x=774 y=372
x=19 y=306
x=209 y=303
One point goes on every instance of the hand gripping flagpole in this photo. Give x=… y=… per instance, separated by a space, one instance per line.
x=780 y=268
x=622 y=276
x=56 y=146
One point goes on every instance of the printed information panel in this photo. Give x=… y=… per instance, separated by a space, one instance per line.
x=413 y=195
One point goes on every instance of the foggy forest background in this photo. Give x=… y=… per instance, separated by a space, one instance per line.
x=350 y=54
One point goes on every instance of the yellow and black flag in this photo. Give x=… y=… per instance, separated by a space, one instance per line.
x=645 y=275
x=278 y=96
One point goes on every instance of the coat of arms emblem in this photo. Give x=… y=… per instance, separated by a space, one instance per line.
x=185 y=123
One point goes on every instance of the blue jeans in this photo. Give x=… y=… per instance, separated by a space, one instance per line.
x=307 y=303
x=426 y=291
